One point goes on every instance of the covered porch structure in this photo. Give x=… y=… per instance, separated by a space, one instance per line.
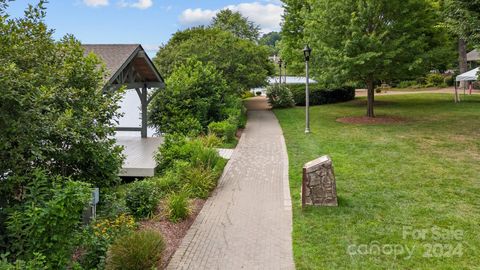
x=129 y=66
x=467 y=78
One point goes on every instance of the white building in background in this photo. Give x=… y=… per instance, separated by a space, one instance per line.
x=285 y=79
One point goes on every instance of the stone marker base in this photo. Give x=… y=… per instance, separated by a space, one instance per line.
x=319 y=185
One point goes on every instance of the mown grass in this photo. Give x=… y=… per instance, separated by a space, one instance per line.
x=421 y=173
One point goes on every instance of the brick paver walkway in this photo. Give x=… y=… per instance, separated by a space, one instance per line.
x=247 y=222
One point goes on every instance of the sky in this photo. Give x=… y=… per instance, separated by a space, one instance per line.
x=148 y=22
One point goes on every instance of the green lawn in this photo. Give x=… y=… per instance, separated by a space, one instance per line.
x=422 y=173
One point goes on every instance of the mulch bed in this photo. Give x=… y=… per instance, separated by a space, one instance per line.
x=173 y=233
x=379 y=120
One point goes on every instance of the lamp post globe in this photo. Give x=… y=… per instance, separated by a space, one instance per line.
x=307 y=51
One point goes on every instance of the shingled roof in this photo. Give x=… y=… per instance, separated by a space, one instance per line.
x=122 y=59
x=473 y=56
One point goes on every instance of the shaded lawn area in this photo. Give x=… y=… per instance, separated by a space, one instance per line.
x=422 y=173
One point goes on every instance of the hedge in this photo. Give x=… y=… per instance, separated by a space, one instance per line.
x=319 y=96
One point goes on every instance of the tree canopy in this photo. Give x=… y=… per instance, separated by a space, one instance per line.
x=366 y=40
x=53 y=112
x=243 y=63
x=271 y=40
x=235 y=23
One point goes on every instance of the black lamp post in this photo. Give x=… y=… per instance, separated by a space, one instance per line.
x=285 y=71
x=307 y=52
x=280 y=68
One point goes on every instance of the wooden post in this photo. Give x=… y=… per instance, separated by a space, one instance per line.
x=144 y=103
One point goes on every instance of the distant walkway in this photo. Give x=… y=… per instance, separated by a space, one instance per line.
x=247 y=222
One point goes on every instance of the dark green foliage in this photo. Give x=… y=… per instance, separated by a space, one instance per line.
x=243 y=64
x=236 y=24
x=112 y=203
x=53 y=113
x=177 y=207
x=319 y=96
x=223 y=129
x=37 y=263
x=407 y=84
x=235 y=112
x=48 y=222
x=449 y=80
x=271 y=40
x=175 y=147
x=280 y=96
x=192 y=99
x=435 y=80
x=136 y=251
x=142 y=198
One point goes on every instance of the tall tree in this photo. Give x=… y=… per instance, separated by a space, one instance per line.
x=462 y=18
x=292 y=34
x=243 y=63
x=235 y=23
x=367 y=40
x=53 y=112
x=271 y=41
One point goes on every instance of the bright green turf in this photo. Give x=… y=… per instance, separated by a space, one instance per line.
x=422 y=173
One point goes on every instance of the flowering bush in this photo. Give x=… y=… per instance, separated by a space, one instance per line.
x=99 y=236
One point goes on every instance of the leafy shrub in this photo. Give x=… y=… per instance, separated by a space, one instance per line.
x=449 y=80
x=258 y=93
x=211 y=141
x=200 y=181
x=142 y=198
x=205 y=157
x=192 y=99
x=224 y=129
x=179 y=148
x=406 y=84
x=112 y=204
x=99 y=235
x=421 y=80
x=434 y=80
x=247 y=94
x=37 y=263
x=49 y=220
x=280 y=96
x=319 y=96
x=138 y=250
x=173 y=148
x=177 y=207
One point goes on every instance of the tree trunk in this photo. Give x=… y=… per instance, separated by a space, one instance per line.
x=462 y=57
x=370 y=98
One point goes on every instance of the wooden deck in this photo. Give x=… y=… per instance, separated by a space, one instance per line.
x=139 y=155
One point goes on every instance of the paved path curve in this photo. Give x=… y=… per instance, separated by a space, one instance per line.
x=247 y=222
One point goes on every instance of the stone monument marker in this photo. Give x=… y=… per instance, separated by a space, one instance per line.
x=318 y=185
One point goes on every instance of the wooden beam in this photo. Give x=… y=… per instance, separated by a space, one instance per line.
x=128 y=129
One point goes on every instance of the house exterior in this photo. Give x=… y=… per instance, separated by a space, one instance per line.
x=473 y=58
